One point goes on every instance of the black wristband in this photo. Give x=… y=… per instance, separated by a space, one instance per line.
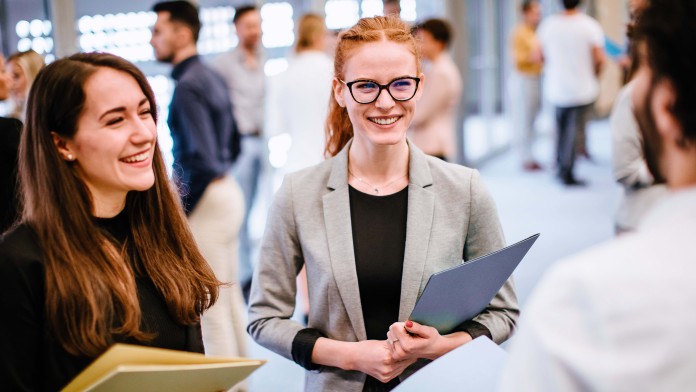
x=303 y=345
x=475 y=329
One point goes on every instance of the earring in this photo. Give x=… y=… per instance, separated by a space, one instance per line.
x=70 y=157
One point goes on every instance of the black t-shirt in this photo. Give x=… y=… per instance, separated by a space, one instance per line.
x=30 y=359
x=379 y=240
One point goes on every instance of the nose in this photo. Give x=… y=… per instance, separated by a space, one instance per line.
x=141 y=132
x=384 y=100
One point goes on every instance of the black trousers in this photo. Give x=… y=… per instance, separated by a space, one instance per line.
x=569 y=121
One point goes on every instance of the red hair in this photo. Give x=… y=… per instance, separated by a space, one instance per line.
x=339 y=129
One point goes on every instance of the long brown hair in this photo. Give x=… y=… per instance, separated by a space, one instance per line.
x=339 y=129
x=90 y=284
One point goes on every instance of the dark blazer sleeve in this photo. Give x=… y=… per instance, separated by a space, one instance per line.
x=21 y=304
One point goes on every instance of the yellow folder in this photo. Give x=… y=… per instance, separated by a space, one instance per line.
x=125 y=367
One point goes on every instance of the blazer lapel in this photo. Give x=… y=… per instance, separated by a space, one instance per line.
x=421 y=204
x=340 y=239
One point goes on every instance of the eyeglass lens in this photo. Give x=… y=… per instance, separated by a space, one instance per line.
x=367 y=91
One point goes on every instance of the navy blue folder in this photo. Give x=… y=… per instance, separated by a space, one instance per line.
x=460 y=293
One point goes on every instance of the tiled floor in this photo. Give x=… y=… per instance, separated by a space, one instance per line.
x=569 y=219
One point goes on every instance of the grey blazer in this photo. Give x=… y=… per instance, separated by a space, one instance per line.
x=450 y=215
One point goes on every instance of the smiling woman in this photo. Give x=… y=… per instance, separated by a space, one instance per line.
x=103 y=253
x=370 y=225
x=115 y=141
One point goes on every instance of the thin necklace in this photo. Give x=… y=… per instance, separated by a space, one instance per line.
x=376 y=189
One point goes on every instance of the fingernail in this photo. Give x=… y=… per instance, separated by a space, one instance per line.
x=409 y=324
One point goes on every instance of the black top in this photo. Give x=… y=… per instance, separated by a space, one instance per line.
x=10 y=131
x=379 y=241
x=30 y=360
x=205 y=134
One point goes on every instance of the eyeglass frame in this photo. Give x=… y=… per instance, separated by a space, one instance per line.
x=381 y=87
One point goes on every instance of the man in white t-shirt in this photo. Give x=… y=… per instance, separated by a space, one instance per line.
x=622 y=316
x=572 y=44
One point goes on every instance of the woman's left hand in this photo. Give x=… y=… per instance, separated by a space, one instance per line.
x=411 y=340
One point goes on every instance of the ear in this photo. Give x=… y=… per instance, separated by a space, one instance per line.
x=667 y=125
x=338 y=87
x=183 y=34
x=421 y=85
x=62 y=147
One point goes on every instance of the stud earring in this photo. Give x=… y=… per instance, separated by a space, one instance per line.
x=70 y=157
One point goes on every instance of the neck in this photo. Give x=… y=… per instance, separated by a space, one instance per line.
x=184 y=53
x=378 y=163
x=571 y=12
x=108 y=206
x=531 y=25
x=681 y=169
x=249 y=50
x=436 y=55
x=312 y=48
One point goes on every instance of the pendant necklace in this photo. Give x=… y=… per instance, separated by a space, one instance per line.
x=376 y=189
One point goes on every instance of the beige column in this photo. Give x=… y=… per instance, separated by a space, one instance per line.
x=612 y=16
x=456 y=14
x=64 y=32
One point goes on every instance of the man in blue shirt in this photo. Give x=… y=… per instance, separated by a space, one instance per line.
x=206 y=143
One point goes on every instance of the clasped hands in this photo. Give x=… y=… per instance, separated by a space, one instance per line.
x=406 y=343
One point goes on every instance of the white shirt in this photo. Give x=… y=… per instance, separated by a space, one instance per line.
x=246 y=87
x=567 y=42
x=630 y=169
x=619 y=317
x=298 y=102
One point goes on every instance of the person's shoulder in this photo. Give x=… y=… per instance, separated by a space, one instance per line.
x=450 y=173
x=447 y=65
x=197 y=71
x=617 y=259
x=304 y=187
x=10 y=131
x=9 y=122
x=589 y=23
x=20 y=248
x=318 y=173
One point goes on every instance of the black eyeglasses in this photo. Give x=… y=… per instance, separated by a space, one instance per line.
x=366 y=91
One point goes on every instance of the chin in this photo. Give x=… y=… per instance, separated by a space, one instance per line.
x=388 y=138
x=142 y=185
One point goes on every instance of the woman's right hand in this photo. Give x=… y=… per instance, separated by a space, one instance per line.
x=374 y=357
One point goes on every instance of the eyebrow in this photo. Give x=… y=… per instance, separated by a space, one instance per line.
x=372 y=80
x=121 y=109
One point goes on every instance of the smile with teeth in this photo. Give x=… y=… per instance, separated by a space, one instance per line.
x=137 y=158
x=384 y=121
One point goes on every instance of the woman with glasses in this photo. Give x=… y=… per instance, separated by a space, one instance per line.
x=371 y=225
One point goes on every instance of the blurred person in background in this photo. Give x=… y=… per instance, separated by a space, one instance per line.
x=23 y=67
x=391 y=7
x=10 y=131
x=205 y=147
x=297 y=106
x=242 y=70
x=526 y=81
x=297 y=98
x=640 y=189
x=620 y=317
x=103 y=253
x=572 y=45
x=434 y=125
